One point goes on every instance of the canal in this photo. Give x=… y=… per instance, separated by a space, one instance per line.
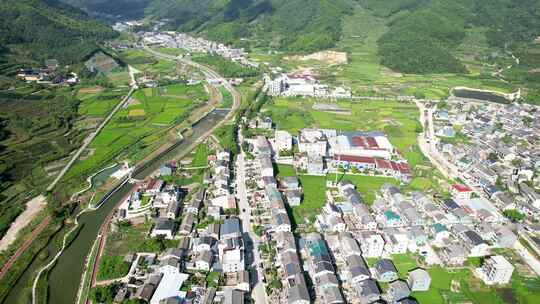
x=480 y=95
x=64 y=278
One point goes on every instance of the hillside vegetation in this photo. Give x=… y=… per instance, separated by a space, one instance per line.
x=290 y=25
x=423 y=34
x=34 y=30
x=37 y=123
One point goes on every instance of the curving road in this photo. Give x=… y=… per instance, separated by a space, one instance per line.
x=209 y=73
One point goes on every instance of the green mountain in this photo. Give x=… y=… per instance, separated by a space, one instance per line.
x=34 y=30
x=292 y=25
x=37 y=124
x=129 y=9
x=423 y=34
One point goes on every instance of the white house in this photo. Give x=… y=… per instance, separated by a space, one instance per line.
x=313 y=142
x=419 y=280
x=371 y=243
x=170 y=284
x=282 y=141
x=495 y=270
x=233 y=260
x=204 y=261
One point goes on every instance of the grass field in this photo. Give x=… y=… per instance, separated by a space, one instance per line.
x=285 y=170
x=398 y=120
x=470 y=290
x=314 y=188
x=130 y=132
x=368 y=186
x=201 y=155
x=96 y=102
x=131 y=239
x=145 y=62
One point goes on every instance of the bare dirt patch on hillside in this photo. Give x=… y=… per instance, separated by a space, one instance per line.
x=33 y=207
x=328 y=57
x=91 y=90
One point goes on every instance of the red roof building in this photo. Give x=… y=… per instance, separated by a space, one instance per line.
x=383 y=164
x=355 y=159
x=461 y=188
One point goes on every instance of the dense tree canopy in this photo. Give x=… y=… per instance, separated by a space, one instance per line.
x=38 y=30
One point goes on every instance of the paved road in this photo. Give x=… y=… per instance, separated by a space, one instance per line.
x=259 y=290
x=210 y=75
x=427 y=142
x=88 y=140
x=524 y=253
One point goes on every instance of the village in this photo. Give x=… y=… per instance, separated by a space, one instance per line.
x=49 y=74
x=495 y=150
x=235 y=234
x=244 y=232
x=238 y=236
x=222 y=152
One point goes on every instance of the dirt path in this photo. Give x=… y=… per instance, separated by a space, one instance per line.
x=33 y=207
x=24 y=246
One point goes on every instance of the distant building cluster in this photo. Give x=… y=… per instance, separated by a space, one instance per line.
x=197 y=45
x=48 y=74
x=500 y=154
x=302 y=86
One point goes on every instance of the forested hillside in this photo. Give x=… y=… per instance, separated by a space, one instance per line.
x=423 y=34
x=34 y=30
x=129 y=9
x=36 y=123
x=291 y=25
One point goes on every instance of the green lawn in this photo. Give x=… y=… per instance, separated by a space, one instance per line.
x=112 y=267
x=201 y=156
x=131 y=239
x=285 y=170
x=398 y=120
x=367 y=186
x=314 y=188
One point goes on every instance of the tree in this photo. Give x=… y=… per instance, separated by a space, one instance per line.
x=514 y=215
x=527 y=120
x=493 y=157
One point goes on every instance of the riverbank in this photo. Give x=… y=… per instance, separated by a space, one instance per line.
x=81 y=246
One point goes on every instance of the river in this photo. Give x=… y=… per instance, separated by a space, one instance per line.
x=65 y=276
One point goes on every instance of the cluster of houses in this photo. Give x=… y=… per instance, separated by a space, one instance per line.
x=210 y=241
x=459 y=227
x=156 y=199
x=302 y=86
x=217 y=249
x=49 y=74
x=501 y=154
x=337 y=267
x=322 y=151
x=191 y=44
x=446 y=232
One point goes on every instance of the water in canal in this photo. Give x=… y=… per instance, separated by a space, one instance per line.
x=64 y=278
x=480 y=95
